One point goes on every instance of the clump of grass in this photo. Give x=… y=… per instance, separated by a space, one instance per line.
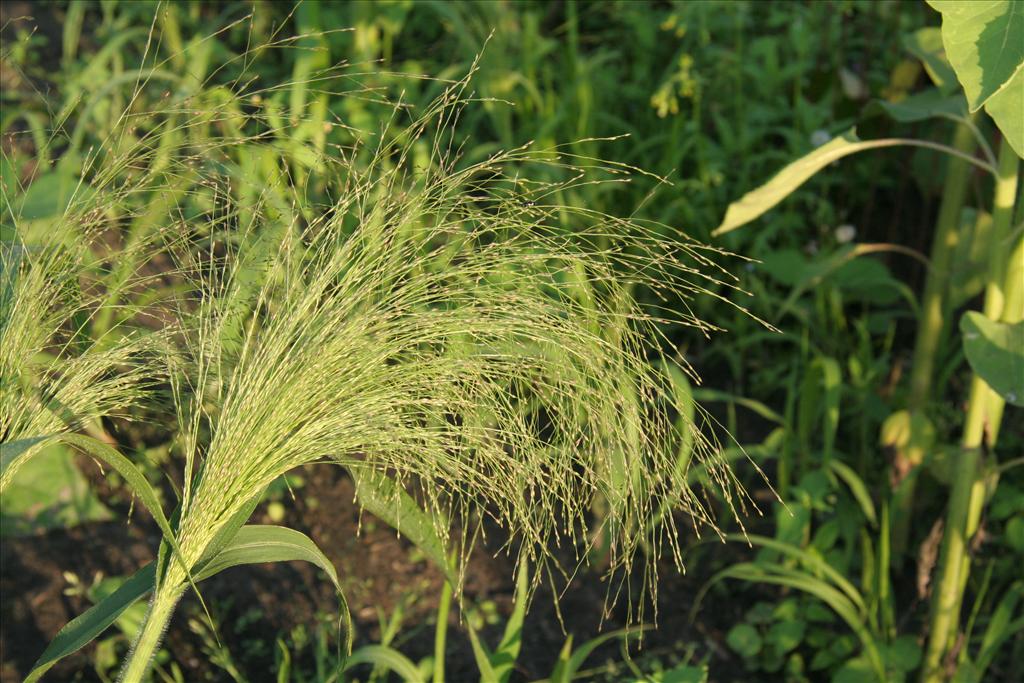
x=449 y=326
x=54 y=375
x=436 y=325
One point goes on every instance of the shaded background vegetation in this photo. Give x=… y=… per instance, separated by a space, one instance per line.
x=709 y=98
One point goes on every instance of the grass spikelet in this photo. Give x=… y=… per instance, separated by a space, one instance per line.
x=57 y=371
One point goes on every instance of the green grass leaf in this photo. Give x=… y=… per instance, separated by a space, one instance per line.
x=255 y=544
x=82 y=629
x=389 y=502
x=386 y=658
x=757 y=202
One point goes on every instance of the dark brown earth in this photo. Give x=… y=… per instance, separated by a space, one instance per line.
x=379 y=572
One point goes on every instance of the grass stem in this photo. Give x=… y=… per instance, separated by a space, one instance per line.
x=983 y=415
x=140 y=659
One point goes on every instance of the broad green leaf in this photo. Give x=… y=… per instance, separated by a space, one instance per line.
x=683 y=673
x=51 y=493
x=744 y=640
x=389 y=502
x=82 y=629
x=995 y=352
x=903 y=653
x=926 y=45
x=786 y=634
x=50 y=195
x=931 y=103
x=386 y=658
x=984 y=41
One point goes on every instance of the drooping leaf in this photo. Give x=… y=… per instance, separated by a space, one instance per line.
x=51 y=493
x=812 y=561
x=385 y=499
x=760 y=200
x=132 y=475
x=756 y=202
x=857 y=487
x=984 y=41
x=771 y=573
x=386 y=658
x=926 y=45
x=255 y=544
x=995 y=352
x=931 y=103
x=12 y=450
x=82 y=629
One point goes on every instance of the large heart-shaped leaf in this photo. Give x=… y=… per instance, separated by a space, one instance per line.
x=996 y=354
x=984 y=42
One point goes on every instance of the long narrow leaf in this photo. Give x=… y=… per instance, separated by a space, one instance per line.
x=385 y=499
x=82 y=629
x=255 y=544
x=840 y=604
x=786 y=181
x=504 y=658
x=810 y=561
x=387 y=658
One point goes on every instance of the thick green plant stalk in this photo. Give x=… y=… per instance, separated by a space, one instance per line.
x=1002 y=301
x=931 y=324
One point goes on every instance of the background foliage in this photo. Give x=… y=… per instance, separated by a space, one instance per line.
x=832 y=580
